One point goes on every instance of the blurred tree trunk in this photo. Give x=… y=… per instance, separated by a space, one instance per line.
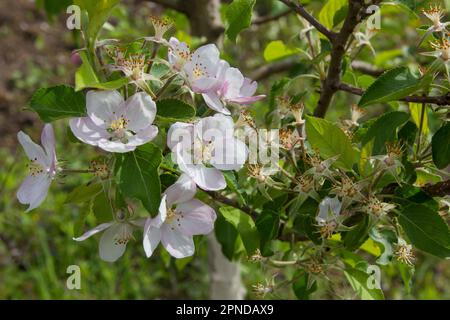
x=225 y=276
x=204 y=17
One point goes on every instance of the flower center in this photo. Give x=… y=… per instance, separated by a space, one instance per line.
x=124 y=235
x=173 y=218
x=35 y=168
x=161 y=25
x=306 y=184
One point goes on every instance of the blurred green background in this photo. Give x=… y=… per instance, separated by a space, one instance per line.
x=37 y=247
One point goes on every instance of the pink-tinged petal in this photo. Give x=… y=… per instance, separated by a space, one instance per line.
x=33 y=190
x=143 y=136
x=229 y=154
x=247 y=100
x=234 y=81
x=208 y=56
x=206 y=178
x=139 y=110
x=115 y=146
x=87 y=131
x=103 y=106
x=96 y=230
x=177 y=244
x=182 y=133
x=109 y=248
x=34 y=151
x=203 y=84
x=248 y=88
x=152 y=237
x=213 y=101
x=48 y=142
x=182 y=190
x=198 y=218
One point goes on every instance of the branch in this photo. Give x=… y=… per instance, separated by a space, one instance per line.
x=442 y=100
x=329 y=85
x=367 y=68
x=221 y=198
x=298 y=8
x=265 y=19
x=267 y=70
x=439 y=189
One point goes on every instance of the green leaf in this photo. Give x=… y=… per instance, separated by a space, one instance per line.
x=385 y=239
x=331 y=141
x=78 y=226
x=85 y=77
x=238 y=16
x=355 y=237
x=244 y=225
x=332 y=13
x=276 y=50
x=138 y=176
x=103 y=207
x=440 y=144
x=267 y=224
x=392 y=85
x=416 y=110
x=227 y=236
x=98 y=12
x=174 y=110
x=58 y=102
x=426 y=230
x=384 y=129
x=305 y=222
x=84 y=193
x=232 y=184
x=360 y=282
x=303 y=286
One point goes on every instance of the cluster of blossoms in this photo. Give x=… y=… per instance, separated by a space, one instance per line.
x=202 y=149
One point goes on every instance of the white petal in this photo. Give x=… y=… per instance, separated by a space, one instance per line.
x=213 y=101
x=115 y=146
x=48 y=142
x=140 y=111
x=177 y=244
x=158 y=221
x=248 y=88
x=218 y=126
x=87 y=131
x=206 y=178
x=96 y=230
x=198 y=218
x=143 y=136
x=180 y=132
x=229 y=154
x=33 y=150
x=103 y=106
x=34 y=190
x=109 y=249
x=152 y=237
x=233 y=83
x=182 y=190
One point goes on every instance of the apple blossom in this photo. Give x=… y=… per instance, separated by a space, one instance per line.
x=116 y=125
x=231 y=87
x=179 y=53
x=204 y=148
x=180 y=217
x=161 y=26
x=114 y=240
x=377 y=208
x=43 y=168
x=434 y=14
x=329 y=218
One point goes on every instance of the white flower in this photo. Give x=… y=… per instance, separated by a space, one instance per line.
x=201 y=69
x=43 y=168
x=179 y=53
x=204 y=148
x=114 y=240
x=116 y=125
x=180 y=217
x=231 y=87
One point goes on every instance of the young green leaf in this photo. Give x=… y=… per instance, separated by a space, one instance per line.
x=174 y=110
x=426 y=230
x=238 y=16
x=440 y=144
x=138 y=176
x=245 y=227
x=331 y=141
x=392 y=85
x=58 y=102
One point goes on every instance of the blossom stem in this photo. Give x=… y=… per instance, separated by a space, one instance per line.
x=165 y=86
x=77 y=171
